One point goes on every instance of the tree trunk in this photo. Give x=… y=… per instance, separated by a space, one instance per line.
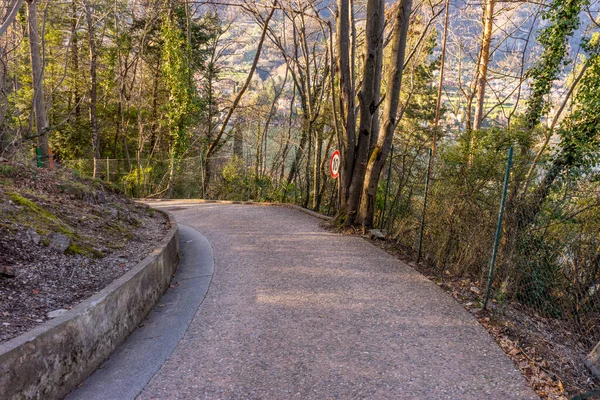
x=347 y=105
x=75 y=61
x=286 y=147
x=37 y=72
x=302 y=145
x=368 y=108
x=317 y=170
x=438 y=103
x=272 y=111
x=484 y=60
x=93 y=84
x=257 y=152
x=307 y=168
x=386 y=133
x=238 y=143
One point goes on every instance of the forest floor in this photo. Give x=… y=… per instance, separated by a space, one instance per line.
x=62 y=239
x=545 y=350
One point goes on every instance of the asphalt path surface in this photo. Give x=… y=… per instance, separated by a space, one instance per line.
x=134 y=362
x=296 y=312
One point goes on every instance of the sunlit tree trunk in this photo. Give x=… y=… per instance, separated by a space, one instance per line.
x=37 y=72
x=368 y=107
x=484 y=60
x=346 y=101
x=317 y=169
x=75 y=61
x=438 y=103
x=93 y=84
x=380 y=151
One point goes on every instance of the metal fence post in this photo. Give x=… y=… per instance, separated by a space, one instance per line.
x=202 y=175
x=498 y=227
x=422 y=229
x=107 y=171
x=387 y=186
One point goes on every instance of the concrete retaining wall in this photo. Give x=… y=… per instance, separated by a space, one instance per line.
x=52 y=359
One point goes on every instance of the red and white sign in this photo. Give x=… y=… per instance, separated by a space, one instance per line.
x=334 y=164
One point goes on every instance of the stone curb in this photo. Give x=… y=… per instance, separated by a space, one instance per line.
x=53 y=358
x=251 y=203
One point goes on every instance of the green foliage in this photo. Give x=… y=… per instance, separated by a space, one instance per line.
x=564 y=20
x=7 y=170
x=539 y=275
x=580 y=136
x=177 y=75
x=136 y=178
x=421 y=108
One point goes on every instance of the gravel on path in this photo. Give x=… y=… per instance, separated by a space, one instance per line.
x=296 y=312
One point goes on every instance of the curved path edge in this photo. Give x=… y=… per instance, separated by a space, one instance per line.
x=134 y=363
x=315 y=214
x=53 y=358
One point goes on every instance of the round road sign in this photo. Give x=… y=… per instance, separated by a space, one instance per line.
x=334 y=164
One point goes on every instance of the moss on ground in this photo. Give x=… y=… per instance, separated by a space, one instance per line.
x=84 y=250
x=32 y=207
x=39 y=218
x=45 y=222
x=119 y=229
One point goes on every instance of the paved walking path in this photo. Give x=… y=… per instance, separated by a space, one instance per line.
x=296 y=312
x=131 y=366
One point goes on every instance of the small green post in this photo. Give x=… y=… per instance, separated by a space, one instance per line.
x=498 y=227
x=38 y=155
x=422 y=229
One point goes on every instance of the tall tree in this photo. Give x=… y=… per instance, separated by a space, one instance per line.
x=37 y=73
x=368 y=149
x=380 y=151
x=93 y=84
x=484 y=60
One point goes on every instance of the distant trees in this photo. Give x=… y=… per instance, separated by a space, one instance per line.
x=113 y=79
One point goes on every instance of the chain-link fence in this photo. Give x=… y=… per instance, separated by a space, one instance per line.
x=221 y=178
x=547 y=265
x=548 y=255
x=146 y=177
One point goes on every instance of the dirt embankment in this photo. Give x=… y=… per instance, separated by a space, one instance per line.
x=63 y=238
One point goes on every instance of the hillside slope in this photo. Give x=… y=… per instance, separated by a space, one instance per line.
x=63 y=238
